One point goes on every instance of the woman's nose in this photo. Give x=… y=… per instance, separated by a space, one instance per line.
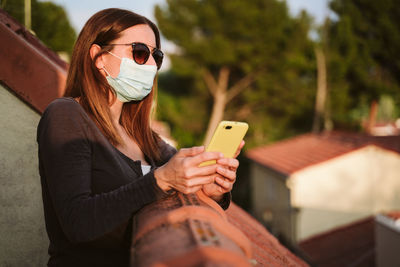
x=151 y=60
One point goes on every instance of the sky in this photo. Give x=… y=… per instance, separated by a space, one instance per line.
x=79 y=11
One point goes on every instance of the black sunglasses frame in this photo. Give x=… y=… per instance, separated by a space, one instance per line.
x=157 y=54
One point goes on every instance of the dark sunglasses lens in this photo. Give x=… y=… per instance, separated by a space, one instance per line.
x=158 y=57
x=141 y=53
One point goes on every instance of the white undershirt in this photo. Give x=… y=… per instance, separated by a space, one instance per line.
x=145 y=169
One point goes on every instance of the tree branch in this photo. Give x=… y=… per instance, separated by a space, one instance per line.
x=223 y=79
x=245 y=82
x=211 y=84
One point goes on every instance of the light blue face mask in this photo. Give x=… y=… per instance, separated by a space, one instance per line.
x=134 y=82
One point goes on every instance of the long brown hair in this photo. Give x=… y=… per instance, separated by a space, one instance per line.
x=86 y=82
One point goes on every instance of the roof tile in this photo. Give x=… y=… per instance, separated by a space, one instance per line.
x=349 y=245
x=267 y=251
x=296 y=153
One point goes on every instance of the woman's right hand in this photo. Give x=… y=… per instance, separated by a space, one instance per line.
x=182 y=171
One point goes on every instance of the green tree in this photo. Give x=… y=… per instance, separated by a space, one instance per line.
x=243 y=60
x=364 y=63
x=49 y=22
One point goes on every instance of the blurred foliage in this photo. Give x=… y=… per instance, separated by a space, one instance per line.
x=246 y=36
x=361 y=45
x=363 y=59
x=49 y=22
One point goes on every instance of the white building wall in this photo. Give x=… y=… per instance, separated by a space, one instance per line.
x=23 y=239
x=345 y=188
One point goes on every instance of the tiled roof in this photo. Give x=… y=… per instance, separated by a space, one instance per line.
x=395 y=215
x=349 y=245
x=267 y=251
x=28 y=68
x=193 y=230
x=19 y=29
x=296 y=153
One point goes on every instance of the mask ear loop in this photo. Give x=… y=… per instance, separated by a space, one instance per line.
x=108 y=74
x=114 y=55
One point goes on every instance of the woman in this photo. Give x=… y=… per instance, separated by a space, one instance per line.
x=99 y=160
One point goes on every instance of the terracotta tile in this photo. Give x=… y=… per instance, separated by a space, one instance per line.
x=343 y=246
x=293 y=154
x=189 y=230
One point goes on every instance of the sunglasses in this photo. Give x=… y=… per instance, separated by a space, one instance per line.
x=141 y=53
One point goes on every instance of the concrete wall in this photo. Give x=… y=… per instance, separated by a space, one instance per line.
x=346 y=188
x=271 y=201
x=23 y=238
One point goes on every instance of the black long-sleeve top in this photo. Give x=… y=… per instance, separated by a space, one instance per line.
x=90 y=189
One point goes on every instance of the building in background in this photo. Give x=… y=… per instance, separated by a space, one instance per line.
x=316 y=182
x=372 y=241
x=348 y=245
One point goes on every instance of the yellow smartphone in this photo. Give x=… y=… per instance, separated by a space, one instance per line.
x=226 y=139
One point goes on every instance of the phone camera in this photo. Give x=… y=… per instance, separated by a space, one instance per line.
x=228 y=127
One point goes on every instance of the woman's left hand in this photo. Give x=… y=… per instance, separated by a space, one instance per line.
x=225 y=176
x=224 y=179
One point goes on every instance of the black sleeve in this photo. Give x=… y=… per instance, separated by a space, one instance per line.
x=65 y=160
x=167 y=152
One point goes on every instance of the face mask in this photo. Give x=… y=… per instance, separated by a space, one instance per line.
x=134 y=81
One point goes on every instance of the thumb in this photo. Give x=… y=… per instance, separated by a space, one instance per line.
x=191 y=151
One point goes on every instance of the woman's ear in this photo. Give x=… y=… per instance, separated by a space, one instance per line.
x=94 y=50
